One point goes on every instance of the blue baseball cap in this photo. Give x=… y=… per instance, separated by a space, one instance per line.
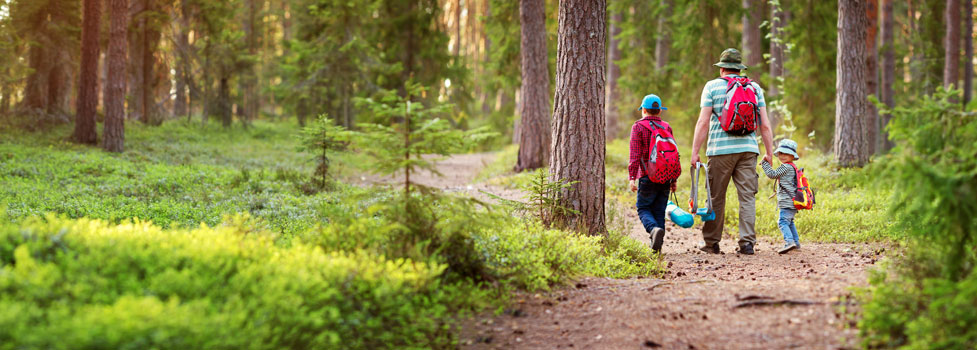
x=652 y=102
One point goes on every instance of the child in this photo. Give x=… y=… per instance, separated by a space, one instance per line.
x=652 y=177
x=787 y=153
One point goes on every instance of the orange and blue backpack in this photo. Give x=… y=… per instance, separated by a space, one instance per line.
x=803 y=195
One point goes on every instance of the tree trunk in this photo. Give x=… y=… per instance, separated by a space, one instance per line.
x=968 y=47
x=113 y=138
x=951 y=42
x=851 y=142
x=872 y=70
x=35 y=93
x=888 y=72
x=664 y=41
x=181 y=102
x=8 y=94
x=578 y=115
x=534 y=101
x=150 y=39
x=778 y=56
x=752 y=40
x=59 y=84
x=612 y=96
x=88 y=79
x=224 y=100
x=456 y=48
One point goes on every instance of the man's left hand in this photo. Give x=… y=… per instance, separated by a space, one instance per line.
x=768 y=157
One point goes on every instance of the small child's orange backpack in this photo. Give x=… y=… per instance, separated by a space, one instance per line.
x=803 y=195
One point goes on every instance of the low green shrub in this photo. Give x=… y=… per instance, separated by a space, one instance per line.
x=82 y=284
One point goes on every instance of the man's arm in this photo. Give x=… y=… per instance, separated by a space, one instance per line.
x=701 y=132
x=766 y=134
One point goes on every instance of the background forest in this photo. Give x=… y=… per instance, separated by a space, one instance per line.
x=238 y=173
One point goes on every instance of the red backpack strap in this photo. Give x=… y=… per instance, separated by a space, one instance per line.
x=797 y=175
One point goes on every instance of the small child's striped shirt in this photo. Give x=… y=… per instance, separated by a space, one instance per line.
x=788 y=182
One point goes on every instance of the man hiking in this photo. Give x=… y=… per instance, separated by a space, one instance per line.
x=733 y=109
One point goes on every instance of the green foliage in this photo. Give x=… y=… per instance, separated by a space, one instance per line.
x=543 y=197
x=408 y=131
x=320 y=139
x=77 y=284
x=924 y=299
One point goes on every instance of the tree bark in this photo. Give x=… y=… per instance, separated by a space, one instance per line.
x=181 y=102
x=113 y=139
x=88 y=78
x=135 y=55
x=778 y=56
x=888 y=72
x=534 y=101
x=578 y=115
x=752 y=40
x=951 y=42
x=872 y=70
x=612 y=95
x=8 y=94
x=851 y=142
x=664 y=41
x=968 y=48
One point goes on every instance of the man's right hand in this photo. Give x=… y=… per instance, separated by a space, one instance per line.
x=695 y=159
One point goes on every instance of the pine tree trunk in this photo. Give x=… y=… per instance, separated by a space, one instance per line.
x=612 y=96
x=181 y=102
x=851 y=146
x=7 y=94
x=534 y=101
x=888 y=72
x=872 y=71
x=951 y=42
x=113 y=138
x=664 y=41
x=59 y=84
x=151 y=38
x=88 y=79
x=968 y=47
x=578 y=114
x=35 y=93
x=752 y=40
x=456 y=48
x=778 y=56
x=224 y=100
x=135 y=71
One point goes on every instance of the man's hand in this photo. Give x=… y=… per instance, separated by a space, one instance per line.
x=633 y=186
x=695 y=159
x=768 y=157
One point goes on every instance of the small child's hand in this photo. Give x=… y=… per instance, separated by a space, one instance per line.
x=674 y=186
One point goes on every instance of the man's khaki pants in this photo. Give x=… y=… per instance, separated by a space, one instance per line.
x=741 y=168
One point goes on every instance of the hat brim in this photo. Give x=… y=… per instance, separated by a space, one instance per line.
x=730 y=65
x=661 y=108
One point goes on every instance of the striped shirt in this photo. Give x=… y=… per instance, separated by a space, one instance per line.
x=720 y=142
x=788 y=183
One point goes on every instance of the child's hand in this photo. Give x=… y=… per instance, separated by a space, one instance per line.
x=633 y=186
x=674 y=186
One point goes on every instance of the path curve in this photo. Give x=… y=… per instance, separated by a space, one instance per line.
x=704 y=302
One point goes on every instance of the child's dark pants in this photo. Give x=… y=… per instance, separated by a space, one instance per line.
x=652 y=200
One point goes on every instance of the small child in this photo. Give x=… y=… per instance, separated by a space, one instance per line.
x=652 y=191
x=787 y=153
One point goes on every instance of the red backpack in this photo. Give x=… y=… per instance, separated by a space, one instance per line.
x=741 y=114
x=663 y=164
x=803 y=196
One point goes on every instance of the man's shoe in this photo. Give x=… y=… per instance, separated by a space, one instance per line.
x=711 y=249
x=746 y=249
x=657 y=238
x=787 y=248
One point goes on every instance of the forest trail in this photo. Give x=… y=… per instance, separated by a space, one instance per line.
x=704 y=302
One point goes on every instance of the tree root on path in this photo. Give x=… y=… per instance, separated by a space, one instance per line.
x=676 y=282
x=757 y=300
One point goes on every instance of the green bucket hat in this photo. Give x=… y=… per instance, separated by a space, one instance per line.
x=732 y=59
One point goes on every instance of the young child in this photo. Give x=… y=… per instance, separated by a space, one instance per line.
x=787 y=153
x=652 y=192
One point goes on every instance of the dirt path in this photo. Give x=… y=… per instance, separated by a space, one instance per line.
x=702 y=303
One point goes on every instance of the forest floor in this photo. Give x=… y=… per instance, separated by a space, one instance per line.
x=728 y=301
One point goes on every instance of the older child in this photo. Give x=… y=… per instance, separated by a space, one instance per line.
x=787 y=153
x=654 y=165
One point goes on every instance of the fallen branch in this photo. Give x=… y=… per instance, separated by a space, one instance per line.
x=765 y=302
x=670 y=283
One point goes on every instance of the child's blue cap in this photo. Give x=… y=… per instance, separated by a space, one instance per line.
x=788 y=146
x=652 y=102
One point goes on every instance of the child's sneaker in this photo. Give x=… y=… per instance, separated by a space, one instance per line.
x=657 y=238
x=787 y=248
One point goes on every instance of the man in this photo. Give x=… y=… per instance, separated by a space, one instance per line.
x=730 y=157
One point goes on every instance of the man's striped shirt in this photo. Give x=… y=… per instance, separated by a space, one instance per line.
x=720 y=142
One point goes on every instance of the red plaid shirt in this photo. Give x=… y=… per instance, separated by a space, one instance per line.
x=640 y=144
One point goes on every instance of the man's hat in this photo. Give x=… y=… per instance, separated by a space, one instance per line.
x=732 y=59
x=651 y=102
